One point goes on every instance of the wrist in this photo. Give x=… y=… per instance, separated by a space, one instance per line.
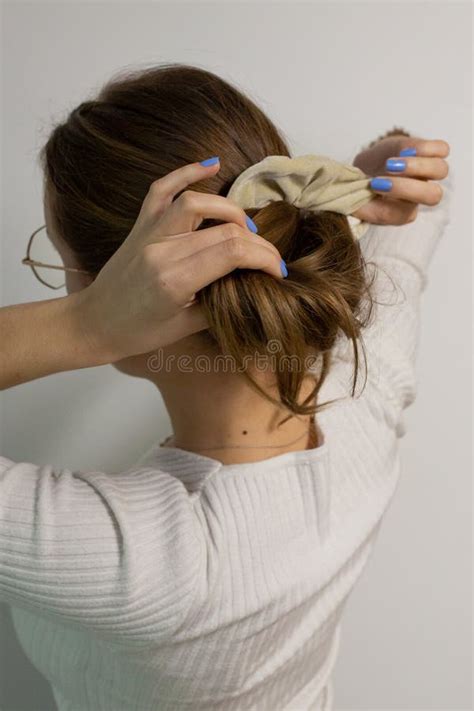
x=89 y=335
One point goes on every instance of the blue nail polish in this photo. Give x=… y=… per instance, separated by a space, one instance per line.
x=383 y=184
x=395 y=165
x=251 y=224
x=210 y=161
x=284 y=270
x=408 y=152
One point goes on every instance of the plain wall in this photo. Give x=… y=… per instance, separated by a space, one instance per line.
x=332 y=76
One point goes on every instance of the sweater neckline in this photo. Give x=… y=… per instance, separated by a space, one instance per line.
x=191 y=465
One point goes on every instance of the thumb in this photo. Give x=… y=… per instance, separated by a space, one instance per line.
x=186 y=322
x=386 y=211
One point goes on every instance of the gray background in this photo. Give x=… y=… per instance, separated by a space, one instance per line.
x=332 y=76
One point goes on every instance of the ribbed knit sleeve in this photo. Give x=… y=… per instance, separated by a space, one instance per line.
x=401 y=256
x=118 y=554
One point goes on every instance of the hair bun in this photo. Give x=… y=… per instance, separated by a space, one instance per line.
x=303 y=314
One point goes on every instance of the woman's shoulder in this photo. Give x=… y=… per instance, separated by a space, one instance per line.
x=78 y=544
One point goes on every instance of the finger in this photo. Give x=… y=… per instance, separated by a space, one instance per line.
x=186 y=213
x=425 y=192
x=427 y=148
x=162 y=191
x=181 y=246
x=202 y=268
x=427 y=168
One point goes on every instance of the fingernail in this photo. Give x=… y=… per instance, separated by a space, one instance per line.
x=408 y=152
x=210 y=161
x=284 y=270
x=396 y=165
x=251 y=224
x=383 y=184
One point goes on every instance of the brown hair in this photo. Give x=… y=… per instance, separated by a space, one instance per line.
x=99 y=164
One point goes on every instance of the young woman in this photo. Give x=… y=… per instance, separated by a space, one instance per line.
x=213 y=574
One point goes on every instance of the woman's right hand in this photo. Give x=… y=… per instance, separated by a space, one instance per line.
x=144 y=296
x=411 y=187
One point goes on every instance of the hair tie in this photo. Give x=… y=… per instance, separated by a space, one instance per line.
x=313 y=182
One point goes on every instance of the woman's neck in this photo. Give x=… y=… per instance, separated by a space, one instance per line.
x=224 y=418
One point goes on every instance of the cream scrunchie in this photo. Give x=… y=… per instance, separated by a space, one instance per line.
x=314 y=182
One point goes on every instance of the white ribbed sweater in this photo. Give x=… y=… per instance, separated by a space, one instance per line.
x=183 y=583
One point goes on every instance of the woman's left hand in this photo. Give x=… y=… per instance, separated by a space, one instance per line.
x=145 y=295
x=400 y=192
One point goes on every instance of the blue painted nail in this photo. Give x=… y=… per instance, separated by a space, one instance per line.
x=210 y=161
x=284 y=270
x=383 y=184
x=408 y=152
x=396 y=165
x=251 y=224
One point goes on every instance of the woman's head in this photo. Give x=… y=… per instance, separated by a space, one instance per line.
x=98 y=166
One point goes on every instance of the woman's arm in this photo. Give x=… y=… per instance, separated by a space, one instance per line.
x=401 y=256
x=44 y=337
x=143 y=297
